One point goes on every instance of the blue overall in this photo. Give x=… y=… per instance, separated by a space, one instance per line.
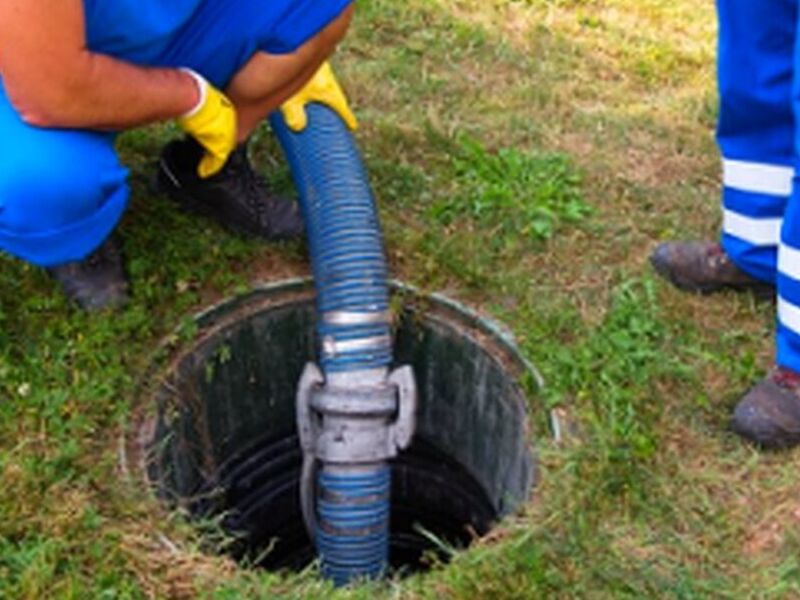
x=759 y=141
x=63 y=191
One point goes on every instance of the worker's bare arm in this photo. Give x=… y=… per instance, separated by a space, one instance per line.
x=53 y=80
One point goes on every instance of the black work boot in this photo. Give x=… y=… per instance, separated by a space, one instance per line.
x=96 y=282
x=703 y=268
x=769 y=414
x=236 y=196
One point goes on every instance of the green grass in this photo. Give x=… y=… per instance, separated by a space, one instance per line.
x=509 y=194
x=527 y=155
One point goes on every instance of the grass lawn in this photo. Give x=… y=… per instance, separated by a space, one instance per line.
x=527 y=155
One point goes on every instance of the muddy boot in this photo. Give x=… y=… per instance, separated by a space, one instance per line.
x=703 y=268
x=769 y=414
x=96 y=282
x=235 y=197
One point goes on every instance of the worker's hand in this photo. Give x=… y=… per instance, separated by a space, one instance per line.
x=213 y=124
x=322 y=88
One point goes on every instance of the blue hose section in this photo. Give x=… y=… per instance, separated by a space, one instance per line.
x=353 y=535
x=350 y=275
x=344 y=233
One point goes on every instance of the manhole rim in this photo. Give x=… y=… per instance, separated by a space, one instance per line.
x=274 y=295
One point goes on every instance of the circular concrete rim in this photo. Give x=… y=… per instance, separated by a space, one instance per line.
x=492 y=336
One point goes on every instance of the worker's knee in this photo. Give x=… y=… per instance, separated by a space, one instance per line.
x=323 y=44
x=269 y=75
x=330 y=37
x=53 y=180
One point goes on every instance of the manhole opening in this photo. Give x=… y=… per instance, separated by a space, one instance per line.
x=217 y=436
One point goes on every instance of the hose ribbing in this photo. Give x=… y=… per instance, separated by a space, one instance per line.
x=350 y=274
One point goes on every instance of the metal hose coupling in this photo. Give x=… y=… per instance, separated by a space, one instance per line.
x=359 y=423
x=352 y=424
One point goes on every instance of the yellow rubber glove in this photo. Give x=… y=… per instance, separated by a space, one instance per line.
x=322 y=88
x=213 y=124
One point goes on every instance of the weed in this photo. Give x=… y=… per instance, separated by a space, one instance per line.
x=511 y=193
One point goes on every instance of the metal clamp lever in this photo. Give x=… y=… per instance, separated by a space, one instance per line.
x=406 y=423
x=310 y=379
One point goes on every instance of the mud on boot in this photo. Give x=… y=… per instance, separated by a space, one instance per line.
x=769 y=414
x=703 y=268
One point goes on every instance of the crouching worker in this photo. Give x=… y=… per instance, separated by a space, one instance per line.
x=75 y=72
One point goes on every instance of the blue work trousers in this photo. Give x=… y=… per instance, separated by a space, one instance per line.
x=759 y=86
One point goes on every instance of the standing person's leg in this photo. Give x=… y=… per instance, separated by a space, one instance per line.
x=756 y=137
x=770 y=413
x=756 y=127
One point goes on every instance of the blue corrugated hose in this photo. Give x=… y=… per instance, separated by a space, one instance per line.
x=350 y=275
x=353 y=534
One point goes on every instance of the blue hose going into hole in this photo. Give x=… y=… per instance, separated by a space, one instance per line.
x=350 y=273
x=353 y=537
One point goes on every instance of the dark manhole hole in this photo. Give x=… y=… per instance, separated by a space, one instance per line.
x=216 y=435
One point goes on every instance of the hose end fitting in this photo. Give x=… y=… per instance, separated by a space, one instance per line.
x=353 y=429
